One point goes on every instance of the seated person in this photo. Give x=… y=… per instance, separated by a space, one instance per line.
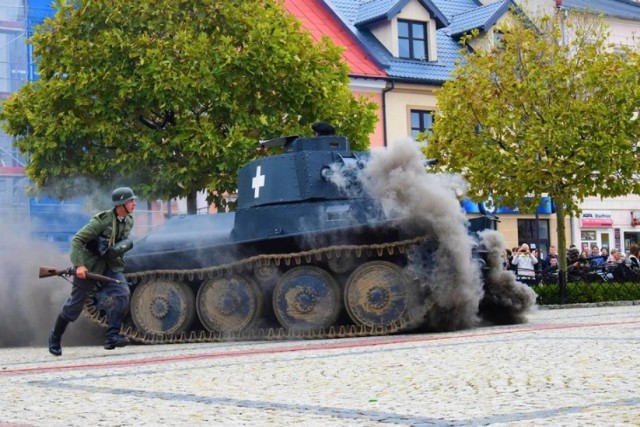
x=576 y=264
x=596 y=257
x=615 y=257
x=550 y=273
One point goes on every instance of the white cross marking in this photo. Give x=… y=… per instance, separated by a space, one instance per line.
x=257 y=182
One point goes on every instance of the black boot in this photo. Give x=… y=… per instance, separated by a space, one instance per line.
x=114 y=339
x=56 y=336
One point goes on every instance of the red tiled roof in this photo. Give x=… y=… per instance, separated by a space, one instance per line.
x=319 y=21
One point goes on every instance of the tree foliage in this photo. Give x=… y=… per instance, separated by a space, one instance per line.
x=550 y=110
x=171 y=96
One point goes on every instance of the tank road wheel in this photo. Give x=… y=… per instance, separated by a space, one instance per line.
x=163 y=307
x=378 y=294
x=229 y=304
x=307 y=298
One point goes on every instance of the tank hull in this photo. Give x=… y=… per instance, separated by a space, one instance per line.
x=200 y=241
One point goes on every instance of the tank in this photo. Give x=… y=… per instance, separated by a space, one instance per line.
x=308 y=253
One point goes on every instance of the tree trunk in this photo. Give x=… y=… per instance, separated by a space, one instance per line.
x=562 y=250
x=192 y=203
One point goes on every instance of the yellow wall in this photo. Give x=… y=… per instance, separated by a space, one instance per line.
x=400 y=101
x=508 y=226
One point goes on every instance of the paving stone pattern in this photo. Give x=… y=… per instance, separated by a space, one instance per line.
x=569 y=367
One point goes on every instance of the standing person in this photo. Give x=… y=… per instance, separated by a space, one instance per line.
x=525 y=262
x=323 y=129
x=507 y=256
x=633 y=259
x=553 y=254
x=99 y=248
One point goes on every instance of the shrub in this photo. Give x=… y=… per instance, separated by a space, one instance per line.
x=585 y=292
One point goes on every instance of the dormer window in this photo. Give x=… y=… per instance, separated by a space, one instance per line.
x=412 y=39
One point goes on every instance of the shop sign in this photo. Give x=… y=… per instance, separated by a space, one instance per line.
x=489 y=206
x=635 y=218
x=596 y=219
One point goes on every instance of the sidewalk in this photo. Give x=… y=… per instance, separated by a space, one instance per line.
x=569 y=367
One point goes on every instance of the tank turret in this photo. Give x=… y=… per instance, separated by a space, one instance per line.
x=292 y=193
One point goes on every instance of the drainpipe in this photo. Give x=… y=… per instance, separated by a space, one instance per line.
x=388 y=88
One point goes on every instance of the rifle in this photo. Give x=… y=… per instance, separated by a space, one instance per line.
x=51 y=271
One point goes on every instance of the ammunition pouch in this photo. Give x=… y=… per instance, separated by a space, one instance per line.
x=119 y=248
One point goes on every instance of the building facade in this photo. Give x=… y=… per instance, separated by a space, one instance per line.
x=415 y=42
x=17 y=21
x=609 y=222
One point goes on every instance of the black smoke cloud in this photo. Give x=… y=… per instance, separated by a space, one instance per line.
x=505 y=300
x=450 y=279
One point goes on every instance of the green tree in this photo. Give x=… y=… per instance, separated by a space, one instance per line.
x=172 y=95
x=551 y=110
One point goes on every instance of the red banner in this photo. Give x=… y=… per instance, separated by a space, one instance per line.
x=596 y=222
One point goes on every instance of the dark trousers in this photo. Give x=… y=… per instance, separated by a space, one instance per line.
x=82 y=288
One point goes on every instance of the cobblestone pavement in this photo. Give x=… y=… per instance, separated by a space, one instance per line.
x=569 y=367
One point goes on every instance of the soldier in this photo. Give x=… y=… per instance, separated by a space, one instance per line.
x=323 y=129
x=99 y=248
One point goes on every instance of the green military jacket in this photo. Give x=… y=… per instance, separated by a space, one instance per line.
x=86 y=243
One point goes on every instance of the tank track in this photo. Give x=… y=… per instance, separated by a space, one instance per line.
x=269 y=334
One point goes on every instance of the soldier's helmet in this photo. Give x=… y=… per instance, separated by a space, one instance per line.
x=122 y=195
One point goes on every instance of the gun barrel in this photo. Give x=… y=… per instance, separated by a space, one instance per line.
x=101 y=278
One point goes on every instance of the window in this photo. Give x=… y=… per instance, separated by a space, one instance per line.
x=531 y=230
x=412 y=39
x=421 y=122
x=13 y=61
x=631 y=238
x=588 y=238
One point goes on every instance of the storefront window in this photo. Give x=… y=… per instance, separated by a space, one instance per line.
x=588 y=238
x=630 y=238
x=531 y=230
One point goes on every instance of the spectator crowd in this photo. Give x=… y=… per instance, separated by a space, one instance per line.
x=598 y=264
